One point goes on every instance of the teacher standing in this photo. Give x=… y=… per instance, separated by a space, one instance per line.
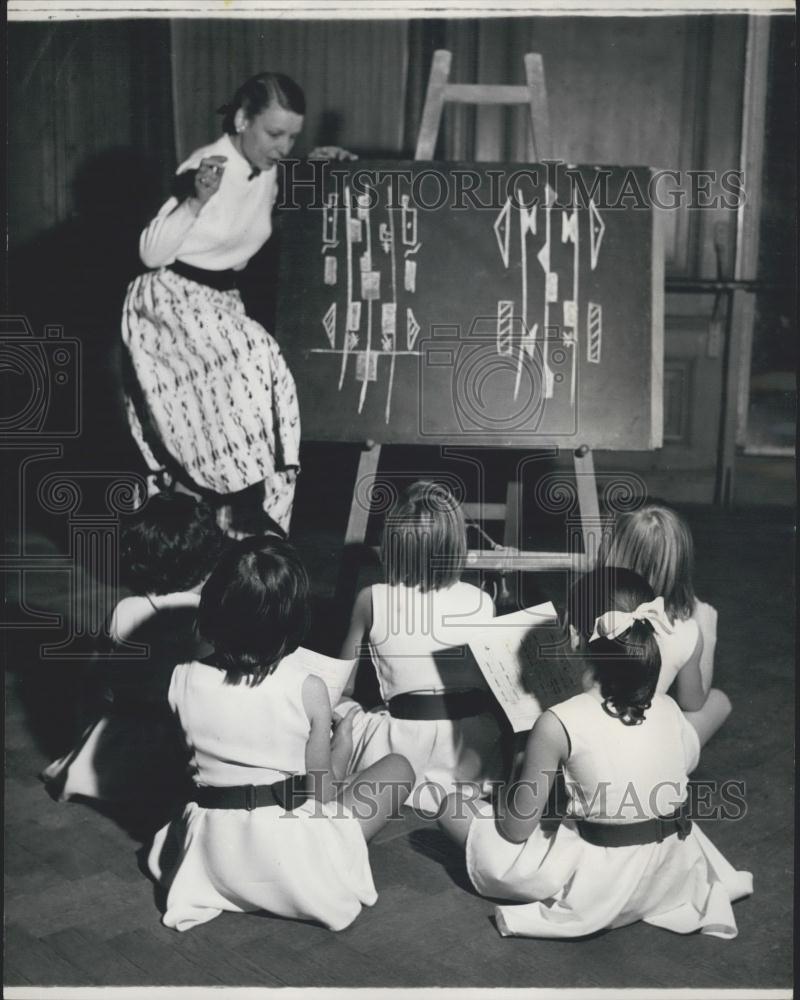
x=212 y=399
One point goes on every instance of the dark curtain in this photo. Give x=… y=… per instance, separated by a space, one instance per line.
x=353 y=74
x=91 y=148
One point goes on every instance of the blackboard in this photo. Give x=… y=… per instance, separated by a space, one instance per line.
x=516 y=305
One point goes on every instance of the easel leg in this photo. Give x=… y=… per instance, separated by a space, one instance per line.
x=512 y=537
x=591 y=525
x=357 y=526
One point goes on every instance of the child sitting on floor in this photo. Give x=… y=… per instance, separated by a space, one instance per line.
x=437 y=709
x=132 y=752
x=255 y=723
x=656 y=543
x=628 y=850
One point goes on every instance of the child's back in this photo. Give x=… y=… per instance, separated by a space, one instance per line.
x=240 y=734
x=627 y=849
x=312 y=864
x=437 y=710
x=254 y=721
x=411 y=628
x=617 y=777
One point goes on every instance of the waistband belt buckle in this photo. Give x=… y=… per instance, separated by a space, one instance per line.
x=250 y=797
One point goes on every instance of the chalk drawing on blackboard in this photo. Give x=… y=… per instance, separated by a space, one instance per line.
x=374 y=283
x=570 y=233
x=596 y=229
x=329 y=217
x=367 y=366
x=370 y=285
x=354 y=316
x=529 y=340
x=524 y=225
x=362 y=202
x=505 y=326
x=594 y=332
x=389 y=318
x=544 y=260
x=409 y=222
x=502 y=231
x=354 y=228
x=412 y=329
x=329 y=324
x=370 y=292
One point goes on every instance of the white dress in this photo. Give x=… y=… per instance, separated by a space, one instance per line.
x=133 y=752
x=311 y=864
x=676 y=648
x=410 y=632
x=569 y=887
x=211 y=391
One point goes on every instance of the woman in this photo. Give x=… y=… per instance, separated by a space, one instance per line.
x=211 y=396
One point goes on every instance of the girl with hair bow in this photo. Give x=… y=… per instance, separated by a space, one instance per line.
x=628 y=848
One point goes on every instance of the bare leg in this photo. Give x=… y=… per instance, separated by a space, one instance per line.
x=710 y=717
x=376 y=793
x=456 y=816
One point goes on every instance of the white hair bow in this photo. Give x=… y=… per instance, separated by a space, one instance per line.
x=614 y=623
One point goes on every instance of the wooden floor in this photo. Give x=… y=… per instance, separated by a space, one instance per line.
x=80 y=912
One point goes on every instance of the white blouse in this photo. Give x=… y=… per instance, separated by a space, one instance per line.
x=228 y=230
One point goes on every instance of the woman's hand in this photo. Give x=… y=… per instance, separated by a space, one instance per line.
x=331 y=153
x=208 y=177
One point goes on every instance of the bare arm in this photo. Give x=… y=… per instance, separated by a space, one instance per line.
x=689 y=692
x=318 y=749
x=523 y=802
x=360 y=624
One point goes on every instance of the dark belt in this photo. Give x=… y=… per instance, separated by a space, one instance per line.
x=288 y=794
x=448 y=705
x=223 y=281
x=649 y=831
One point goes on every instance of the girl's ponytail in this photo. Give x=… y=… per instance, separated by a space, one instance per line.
x=627 y=668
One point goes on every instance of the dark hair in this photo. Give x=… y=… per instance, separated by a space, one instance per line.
x=627 y=669
x=424 y=539
x=628 y=666
x=254 y=607
x=260 y=92
x=606 y=588
x=169 y=544
x=656 y=542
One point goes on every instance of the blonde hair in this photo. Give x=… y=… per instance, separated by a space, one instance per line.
x=424 y=539
x=656 y=543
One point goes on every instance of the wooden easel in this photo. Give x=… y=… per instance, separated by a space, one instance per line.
x=509 y=558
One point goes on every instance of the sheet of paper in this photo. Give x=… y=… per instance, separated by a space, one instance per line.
x=333 y=672
x=523 y=658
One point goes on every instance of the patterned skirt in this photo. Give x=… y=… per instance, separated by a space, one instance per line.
x=212 y=395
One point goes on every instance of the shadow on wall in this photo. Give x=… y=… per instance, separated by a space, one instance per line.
x=75 y=276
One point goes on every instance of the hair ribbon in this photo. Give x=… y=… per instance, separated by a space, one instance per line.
x=614 y=623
